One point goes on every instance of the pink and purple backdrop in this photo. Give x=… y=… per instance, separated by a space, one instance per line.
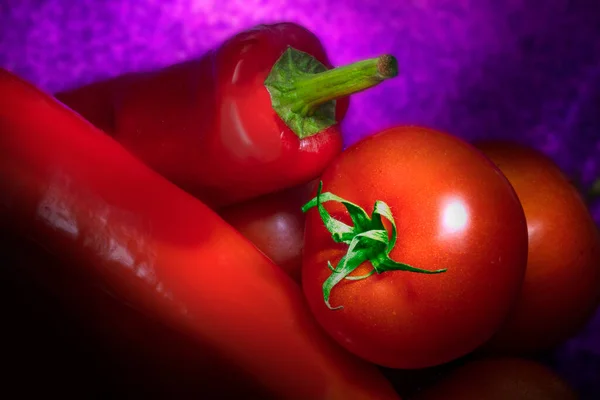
x=527 y=70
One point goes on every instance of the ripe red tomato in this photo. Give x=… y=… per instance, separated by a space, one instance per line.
x=500 y=379
x=562 y=282
x=453 y=210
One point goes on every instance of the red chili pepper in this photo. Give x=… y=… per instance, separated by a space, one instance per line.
x=97 y=208
x=275 y=224
x=254 y=116
x=96 y=101
x=149 y=358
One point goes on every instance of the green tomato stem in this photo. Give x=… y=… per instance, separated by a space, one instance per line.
x=367 y=240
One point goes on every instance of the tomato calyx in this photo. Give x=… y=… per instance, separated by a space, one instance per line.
x=367 y=240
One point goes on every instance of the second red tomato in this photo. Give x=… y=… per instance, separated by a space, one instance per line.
x=562 y=283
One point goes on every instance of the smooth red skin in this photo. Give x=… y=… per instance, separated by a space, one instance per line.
x=150 y=358
x=275 y=224
x=411 y=320
x=208 y=124
x=500 y=379
x=191 y=270
x=95 y=102
x=562 y=282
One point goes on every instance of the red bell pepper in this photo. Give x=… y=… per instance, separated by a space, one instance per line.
x=98 y=209
x=254 y=116
x=275 y=224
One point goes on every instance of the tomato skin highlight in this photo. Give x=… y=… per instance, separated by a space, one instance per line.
x=562 y=283
x=454 y=209
x=500 y=379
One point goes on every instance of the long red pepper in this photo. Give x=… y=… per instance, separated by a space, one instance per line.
x=252 y=117
x=88 y=201
x=149 y=358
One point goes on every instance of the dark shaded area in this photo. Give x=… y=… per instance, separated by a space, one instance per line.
x=65 y=337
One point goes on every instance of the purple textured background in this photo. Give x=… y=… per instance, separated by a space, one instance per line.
x=522 y=69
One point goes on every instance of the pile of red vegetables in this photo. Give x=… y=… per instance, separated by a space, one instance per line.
x=206 y=217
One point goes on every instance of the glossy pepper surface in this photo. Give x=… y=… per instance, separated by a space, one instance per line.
x=102 y=342
x=78 y=194
x=254 y=116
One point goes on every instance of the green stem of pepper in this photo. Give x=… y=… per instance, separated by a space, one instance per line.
x=311 y=91
x=303 y=91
